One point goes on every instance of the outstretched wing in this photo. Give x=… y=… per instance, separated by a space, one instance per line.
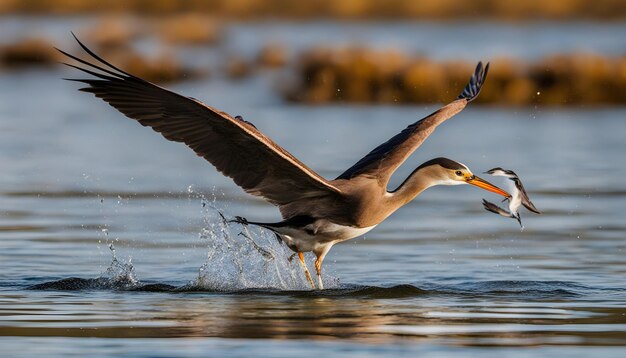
x=381 y=162
x=489 y=206
x=235 y=147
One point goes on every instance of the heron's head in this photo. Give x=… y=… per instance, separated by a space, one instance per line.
x=444 y=171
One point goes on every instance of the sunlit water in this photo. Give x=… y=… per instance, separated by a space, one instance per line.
x=107 y=231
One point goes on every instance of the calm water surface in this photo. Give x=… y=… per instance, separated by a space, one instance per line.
x=439 y=277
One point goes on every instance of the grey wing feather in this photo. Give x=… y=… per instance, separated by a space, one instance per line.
x=235 y=147
x=528 y=204
x=383 y=160
x=524 y=196
x=496 y=209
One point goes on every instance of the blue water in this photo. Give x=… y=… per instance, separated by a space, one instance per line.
x=440 y=277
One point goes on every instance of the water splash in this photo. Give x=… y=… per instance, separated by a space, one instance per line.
x=241 y=257
x=119 y=274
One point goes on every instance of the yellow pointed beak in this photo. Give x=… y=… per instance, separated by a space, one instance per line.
x=483 y=184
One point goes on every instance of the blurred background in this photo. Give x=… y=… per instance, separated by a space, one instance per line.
x=328 y=80
x=562 y=52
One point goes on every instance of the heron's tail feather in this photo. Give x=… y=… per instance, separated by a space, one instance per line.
x=243 y=221
x=240 y=220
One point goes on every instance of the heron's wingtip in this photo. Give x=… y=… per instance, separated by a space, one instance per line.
x=471 y=91
x=116 y=71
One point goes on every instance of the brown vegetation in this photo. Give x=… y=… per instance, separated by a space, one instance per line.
x=112 y=32
x=39 y=52
x=189 y=29
x=237 y=67
x=28 y=52
x=272 y=55
x=352 y=9
x=160 y=69
x=359 y=75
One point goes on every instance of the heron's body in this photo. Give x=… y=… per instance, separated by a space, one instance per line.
x=316 y=212
x=318 y=236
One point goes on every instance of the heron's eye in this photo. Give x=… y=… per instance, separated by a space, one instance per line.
x=459 y=173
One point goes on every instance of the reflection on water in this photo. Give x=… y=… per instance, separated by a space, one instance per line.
x=371 y=314
x=440 y=276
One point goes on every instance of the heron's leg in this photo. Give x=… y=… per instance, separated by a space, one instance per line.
x=318 y=268
x=306 y=270
x=318 y=264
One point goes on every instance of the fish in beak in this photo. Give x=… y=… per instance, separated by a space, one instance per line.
x=483 y=184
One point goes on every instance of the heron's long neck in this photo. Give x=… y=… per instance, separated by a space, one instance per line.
x=418 y=181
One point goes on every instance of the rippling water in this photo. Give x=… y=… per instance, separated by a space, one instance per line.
x=440 y=277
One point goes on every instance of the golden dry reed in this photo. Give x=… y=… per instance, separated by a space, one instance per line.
x=28 y=52
x=366 y=76
x=38 y=52
x=359 y=75
x=343 y=9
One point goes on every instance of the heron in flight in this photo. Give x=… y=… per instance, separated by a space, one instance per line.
x=317 y=213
